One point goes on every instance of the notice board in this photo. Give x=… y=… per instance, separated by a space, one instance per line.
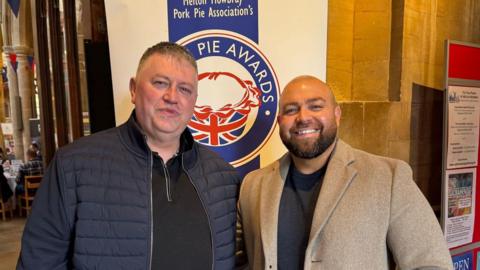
x=460 y=189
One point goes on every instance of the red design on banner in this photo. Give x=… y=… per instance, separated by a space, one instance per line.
x=222 y=123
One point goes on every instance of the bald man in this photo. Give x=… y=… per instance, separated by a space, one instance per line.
x=326 y=205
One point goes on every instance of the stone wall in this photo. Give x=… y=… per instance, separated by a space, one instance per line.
x=377 y=50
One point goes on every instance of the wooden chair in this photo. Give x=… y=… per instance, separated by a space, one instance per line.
x=6 y=207
x=32 y=183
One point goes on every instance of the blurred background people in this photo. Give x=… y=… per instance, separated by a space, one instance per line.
x=33 y=166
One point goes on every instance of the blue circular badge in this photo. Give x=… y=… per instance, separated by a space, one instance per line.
x=237 y=106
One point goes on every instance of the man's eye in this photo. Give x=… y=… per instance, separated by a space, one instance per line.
x=185 y=90
x=316 y=107
x=289 y=111
x=160 y=83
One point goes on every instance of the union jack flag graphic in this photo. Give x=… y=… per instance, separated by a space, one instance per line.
x=225 y=125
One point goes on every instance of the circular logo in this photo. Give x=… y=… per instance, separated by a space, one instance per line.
x=238 y=95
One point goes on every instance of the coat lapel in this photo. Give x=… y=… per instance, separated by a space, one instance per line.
x=271 y=193
x=337 y=178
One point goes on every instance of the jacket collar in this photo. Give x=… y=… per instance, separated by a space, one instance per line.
x=136 y=141
x=338 y=177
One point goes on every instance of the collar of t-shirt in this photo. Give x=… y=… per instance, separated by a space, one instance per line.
x=303 y=181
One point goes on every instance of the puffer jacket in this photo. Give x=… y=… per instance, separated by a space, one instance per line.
x=93 y=209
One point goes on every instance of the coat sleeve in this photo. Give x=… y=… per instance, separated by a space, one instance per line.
x=46 y=241
x=414 y=235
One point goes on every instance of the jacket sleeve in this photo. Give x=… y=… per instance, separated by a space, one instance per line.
x=414 y=235
x=46 y=241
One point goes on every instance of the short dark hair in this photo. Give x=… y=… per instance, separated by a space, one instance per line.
x=168 y=48
x=35 y=145
x=31 y=153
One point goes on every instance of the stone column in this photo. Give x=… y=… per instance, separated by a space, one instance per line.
x=25 y=89
x=15 y=109
x=2 y=108
x=83 y=26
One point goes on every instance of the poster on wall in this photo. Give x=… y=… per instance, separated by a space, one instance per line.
x=244 y=60
x=463 y=121
x=460 y=150
x=7 y=131
x=459 y=206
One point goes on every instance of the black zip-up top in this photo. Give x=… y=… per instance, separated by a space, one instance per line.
x=181 y=232
x=94 y=207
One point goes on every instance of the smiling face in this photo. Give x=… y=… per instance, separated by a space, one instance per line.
x=164 y=93
x=309 y=117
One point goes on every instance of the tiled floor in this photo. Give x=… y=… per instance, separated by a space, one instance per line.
x=10 y=235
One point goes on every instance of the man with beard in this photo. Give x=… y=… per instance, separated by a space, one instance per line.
x=326 y=205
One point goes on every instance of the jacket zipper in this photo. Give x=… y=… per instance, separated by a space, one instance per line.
x=151 y=211
x=204 y=209
x=167 y=182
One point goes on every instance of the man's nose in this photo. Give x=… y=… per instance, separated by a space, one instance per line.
x=171 y=94
x=303 y=116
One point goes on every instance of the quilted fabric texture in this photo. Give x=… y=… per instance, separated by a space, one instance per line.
x=93 y=210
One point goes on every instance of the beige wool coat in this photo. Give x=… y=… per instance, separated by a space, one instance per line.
x=367 y=207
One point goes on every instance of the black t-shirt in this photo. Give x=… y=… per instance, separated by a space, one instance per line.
x=181 y=233
x=297 y=206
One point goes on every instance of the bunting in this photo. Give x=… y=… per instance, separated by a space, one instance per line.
x=15 y=6
x=31 y=62
x=13 y=61
x=4 y=75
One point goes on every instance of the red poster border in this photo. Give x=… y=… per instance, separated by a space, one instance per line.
x=463 y=65
x=463 y=61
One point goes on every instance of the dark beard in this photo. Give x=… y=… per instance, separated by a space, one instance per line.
x=308 y=152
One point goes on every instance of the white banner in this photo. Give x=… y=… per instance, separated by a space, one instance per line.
x=247 y=50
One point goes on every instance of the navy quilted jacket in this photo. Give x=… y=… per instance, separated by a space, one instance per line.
x=93 y=209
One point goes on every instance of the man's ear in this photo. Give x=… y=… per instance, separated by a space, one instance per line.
x=338 y=114
x=279 y=119
x=132 y=90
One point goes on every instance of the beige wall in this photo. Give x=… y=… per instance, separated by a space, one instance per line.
x=376 y=50
x=368 y=48
x=361 y=65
